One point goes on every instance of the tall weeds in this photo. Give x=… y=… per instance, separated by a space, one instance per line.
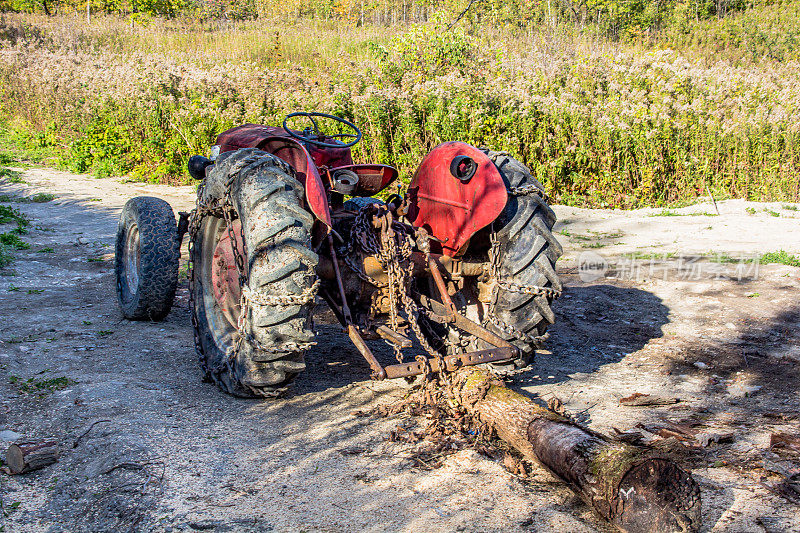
x=599 y=123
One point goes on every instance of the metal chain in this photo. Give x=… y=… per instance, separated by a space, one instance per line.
x=229 y=209
x=495 y=276
x=513 y=332
x=409 y=306
x=201 y=210
x=248 y=296
x=533 y=290
x=308 y=295
x=393 y=258
x=529 y=190
x=363 y=237
x=393 y=250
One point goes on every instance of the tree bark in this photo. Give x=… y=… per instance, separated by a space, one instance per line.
x=632 y=487
x=28 y=456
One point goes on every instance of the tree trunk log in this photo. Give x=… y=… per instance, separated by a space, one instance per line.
x=632 y=487
x=27 y=456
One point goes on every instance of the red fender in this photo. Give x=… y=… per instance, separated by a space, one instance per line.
x=316 y=196
x=450 y=209
x=296 y=155
x=278 y=142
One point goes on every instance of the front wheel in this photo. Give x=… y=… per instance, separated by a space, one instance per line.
x=146 y=258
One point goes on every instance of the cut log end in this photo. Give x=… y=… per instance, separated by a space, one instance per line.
x=28 y=456
x=630 y=486
x=657 y=495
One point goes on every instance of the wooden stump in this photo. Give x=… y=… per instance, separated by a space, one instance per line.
x=28 y=456
x=632 y=487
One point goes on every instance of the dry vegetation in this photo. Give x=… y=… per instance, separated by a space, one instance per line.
x=600 y=121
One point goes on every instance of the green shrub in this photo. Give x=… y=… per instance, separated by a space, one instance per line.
x=782 y=257
x=13 y=240
x=5 y=256
x=42 y=197
x=10 y=215
x=599 y=125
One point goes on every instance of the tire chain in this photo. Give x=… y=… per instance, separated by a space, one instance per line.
x=248 y=296
x=533 y=290
x=529 y=190
x=523 y=190
x=200 y=211
x=494 y=274
x=394 y=253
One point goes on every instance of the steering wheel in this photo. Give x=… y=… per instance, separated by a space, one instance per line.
x=306 y=135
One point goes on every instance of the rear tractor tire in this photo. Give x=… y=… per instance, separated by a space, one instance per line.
x=260 y=353
x=527 y=254
x=146 y=258
x=527 y=258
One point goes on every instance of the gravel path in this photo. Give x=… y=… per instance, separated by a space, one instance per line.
x=147 y=446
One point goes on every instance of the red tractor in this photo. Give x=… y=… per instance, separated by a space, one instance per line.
x=464 y=263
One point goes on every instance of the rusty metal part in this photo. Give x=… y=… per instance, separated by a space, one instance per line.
x=225 y=274
x=465 y=268
x=393 y=336
x=371 y=266
x=345 y=309
x=486 y=291
x=451 y=362
x=424 y=244
x=377 y=370
x=379 y=302
x=440 y=313
x=441 y=287
x=375 y=233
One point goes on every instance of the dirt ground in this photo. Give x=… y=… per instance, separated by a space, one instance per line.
x=147 y=446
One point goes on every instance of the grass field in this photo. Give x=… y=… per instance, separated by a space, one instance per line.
x=600 y=122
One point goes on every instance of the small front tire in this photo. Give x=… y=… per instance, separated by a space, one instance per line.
x=146 y=258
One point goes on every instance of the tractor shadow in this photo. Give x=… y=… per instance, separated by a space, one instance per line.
x=596 y=324
x=335 y=362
